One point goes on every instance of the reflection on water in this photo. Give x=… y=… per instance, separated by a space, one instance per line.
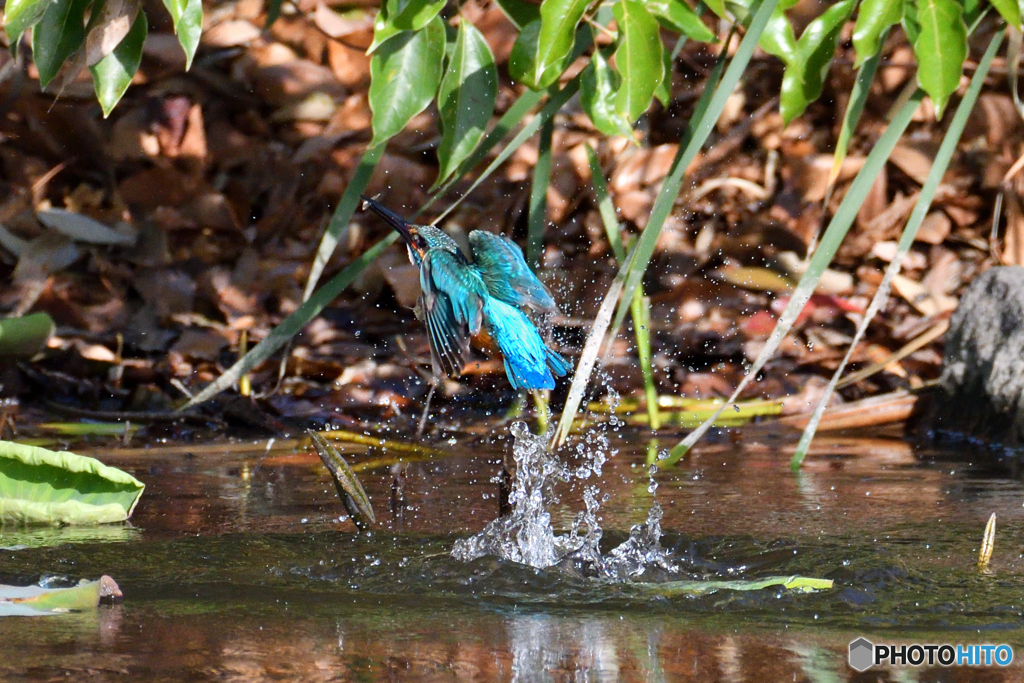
x=237 y=567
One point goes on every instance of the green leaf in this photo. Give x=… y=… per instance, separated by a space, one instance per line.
x=911 y=25
x=663 y=93
x=540 y=52
x=465 y=99
x=677 y=15
x=412 y=15
x=112 y=75
x=805 y=74
x=404 y=74
x=718 y=7
x=522 y=60
x=874 y=17
x=382 y=30
x=25 y=336
x=39 y=486
x=598 y=87
x=397 y=16
x=20 y=15
x=778 y=38
x=187 y=16
x=58 y=34
x=520 y=12
x=638 y=58
x=973 y=9
x=940 y=48
x=536 y=221
x=273 y=12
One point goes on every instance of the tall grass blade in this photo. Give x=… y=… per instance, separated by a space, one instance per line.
x=858 y=98
x=641 y=307
x=537 y=218
x=641 y=310
x=924 y=202
x=293 y=324
x=588 y=357
x=833 y=237
x=605 y=206
x=342 y=215
x=631 y=267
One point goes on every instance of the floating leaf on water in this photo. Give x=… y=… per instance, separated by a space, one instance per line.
x=40 y=486
x=36 y=601
x=800 y=584
x=351 y=492
x=89 y=428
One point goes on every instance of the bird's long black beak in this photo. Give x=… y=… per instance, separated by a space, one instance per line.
x=403 y=227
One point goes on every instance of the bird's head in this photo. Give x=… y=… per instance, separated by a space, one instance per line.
x=418 y=243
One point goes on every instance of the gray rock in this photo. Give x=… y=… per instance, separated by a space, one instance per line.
x=982 y=385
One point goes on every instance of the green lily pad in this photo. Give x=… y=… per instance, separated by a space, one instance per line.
x=39 y=486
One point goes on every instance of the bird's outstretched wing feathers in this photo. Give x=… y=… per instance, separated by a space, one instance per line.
x=504 y=271
x=452 y=308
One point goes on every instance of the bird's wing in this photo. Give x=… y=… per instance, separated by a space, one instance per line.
x=504 y=271
x=452 y=308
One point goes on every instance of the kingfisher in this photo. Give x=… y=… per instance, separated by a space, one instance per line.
x=479 y=302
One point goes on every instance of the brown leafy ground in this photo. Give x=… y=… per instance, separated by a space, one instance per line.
x=220 y=182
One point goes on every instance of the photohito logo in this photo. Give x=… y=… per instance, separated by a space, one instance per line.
x=864 y=654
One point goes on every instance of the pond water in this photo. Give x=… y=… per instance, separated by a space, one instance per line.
x=239 y=565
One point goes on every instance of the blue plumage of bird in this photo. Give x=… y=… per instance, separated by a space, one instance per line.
x=480 y=302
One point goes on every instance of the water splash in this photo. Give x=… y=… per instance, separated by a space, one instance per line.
x=526 y=535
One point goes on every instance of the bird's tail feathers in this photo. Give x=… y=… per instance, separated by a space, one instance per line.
x=559 y=366
x=520 y=344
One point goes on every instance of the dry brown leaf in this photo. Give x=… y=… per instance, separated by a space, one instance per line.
x=934 y=229
x=914 y=158
x=108 y=27
x=337 y=25
x=230 y=33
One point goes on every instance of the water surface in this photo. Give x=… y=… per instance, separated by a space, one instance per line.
x=240 y=565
